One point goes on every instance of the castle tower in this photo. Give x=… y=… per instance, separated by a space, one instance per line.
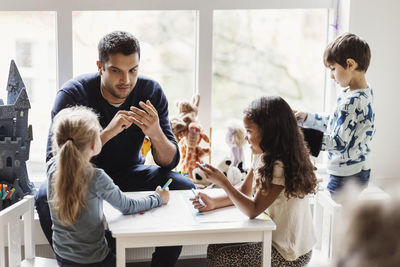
x=15 y=135
x=14 y=85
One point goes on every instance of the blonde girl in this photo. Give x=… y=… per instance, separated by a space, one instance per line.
x=76 y=191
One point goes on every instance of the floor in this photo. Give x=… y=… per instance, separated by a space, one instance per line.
x=181 y=263
x=317 y=260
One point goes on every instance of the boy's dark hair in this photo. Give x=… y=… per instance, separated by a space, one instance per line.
x=117 y=42
x=347 y=46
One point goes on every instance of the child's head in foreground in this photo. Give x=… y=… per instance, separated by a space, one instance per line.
x=372 y=235
x=77 y=127
x=347 y=56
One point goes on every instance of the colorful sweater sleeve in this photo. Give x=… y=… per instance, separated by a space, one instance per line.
x=348 y=123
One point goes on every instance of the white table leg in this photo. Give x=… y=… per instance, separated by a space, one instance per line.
x=120 y=253
x=267 y=243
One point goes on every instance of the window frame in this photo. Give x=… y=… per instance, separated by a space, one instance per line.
x=204 y=35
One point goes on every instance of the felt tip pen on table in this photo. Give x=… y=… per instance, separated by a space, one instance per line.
x=9 y=194
x=5 y=193
x=198 y=198
x=167 y=184
x=12 y=192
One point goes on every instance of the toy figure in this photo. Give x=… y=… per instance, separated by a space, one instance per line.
x=188 y=110
x=146 y=147
x=15 y=139
x=179 y=128
x=189 y=134
x=192 y=152
x=235 y=138
x=187 y=114
x=233 y=173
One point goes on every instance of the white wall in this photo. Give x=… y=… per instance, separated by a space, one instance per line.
x=378 y=22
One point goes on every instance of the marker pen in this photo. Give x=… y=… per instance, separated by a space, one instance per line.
x=198 y=198
x=167 y=184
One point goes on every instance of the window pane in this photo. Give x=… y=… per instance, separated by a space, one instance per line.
x=265 y=52
x=167 y=40
x=29 y=40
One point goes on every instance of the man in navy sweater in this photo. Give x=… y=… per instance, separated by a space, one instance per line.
x=130 y=107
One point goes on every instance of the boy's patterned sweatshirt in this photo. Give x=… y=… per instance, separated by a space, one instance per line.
x=348 y=132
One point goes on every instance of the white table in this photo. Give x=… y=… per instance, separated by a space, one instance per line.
x=178 y=223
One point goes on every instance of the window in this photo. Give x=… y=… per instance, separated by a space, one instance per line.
x=27 y=42
x=24 y=53
x=221 y=49
x=167 y=40
x=9 y=162
x=265 y=52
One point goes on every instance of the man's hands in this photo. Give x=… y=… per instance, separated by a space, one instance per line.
x=121 y=121
x=146 y=119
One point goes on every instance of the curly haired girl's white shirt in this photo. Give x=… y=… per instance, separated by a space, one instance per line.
x=295 y=234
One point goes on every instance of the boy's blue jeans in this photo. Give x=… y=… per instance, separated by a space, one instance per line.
x=337 y=183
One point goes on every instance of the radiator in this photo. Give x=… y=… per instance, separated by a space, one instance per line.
x=137 y=254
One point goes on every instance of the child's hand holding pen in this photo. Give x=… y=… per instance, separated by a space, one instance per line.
x=164 y=191
x=207 y=202
x=198 y=198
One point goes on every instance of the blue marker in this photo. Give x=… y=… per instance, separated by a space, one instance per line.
x=198 y=198
x=167 y=184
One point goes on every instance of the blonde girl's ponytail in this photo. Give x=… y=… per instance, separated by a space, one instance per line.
x=74 y=130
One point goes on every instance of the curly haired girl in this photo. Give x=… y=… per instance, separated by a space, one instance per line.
x=283 y=176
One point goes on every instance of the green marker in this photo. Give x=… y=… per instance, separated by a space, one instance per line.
x=167 y=184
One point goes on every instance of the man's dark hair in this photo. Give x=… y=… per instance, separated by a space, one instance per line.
x=348 y=46
x=117 y=42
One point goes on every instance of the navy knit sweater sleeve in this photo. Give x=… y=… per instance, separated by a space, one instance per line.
x=120 y=154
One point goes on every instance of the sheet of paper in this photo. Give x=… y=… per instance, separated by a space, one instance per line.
x=167 y=215
x=222 y=215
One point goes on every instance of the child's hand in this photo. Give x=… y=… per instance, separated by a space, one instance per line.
x=300 y=115
x=208 y=201
x=164 y=194
x=213 y=174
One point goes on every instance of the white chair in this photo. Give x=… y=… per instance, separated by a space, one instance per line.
x=327 y=216
x=11 y=218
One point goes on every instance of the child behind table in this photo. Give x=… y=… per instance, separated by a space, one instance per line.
x=76 y=191
x=284 y=176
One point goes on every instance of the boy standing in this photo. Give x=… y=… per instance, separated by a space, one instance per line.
x=348 y=131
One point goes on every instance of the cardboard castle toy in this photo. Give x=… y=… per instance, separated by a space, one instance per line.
x=15 y=139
